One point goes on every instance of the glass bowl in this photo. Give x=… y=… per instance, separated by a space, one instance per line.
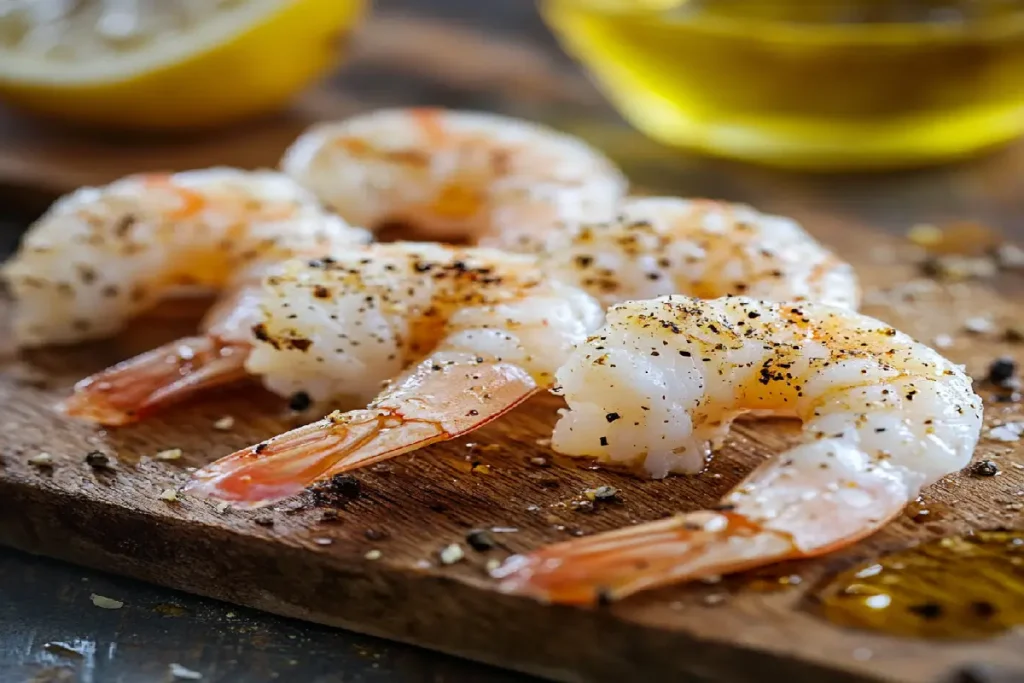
x=808 y=84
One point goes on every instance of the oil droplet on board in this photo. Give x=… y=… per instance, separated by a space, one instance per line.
x=465 y=464
x=961 y=587
x=772 y=581
x=922 y=512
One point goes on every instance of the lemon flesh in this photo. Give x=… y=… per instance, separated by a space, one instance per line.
x=165 y=64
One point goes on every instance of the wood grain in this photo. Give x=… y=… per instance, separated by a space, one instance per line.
x=416 y=505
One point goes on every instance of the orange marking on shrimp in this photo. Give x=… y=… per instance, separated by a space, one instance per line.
x=354 y=146
x=430 y=121
x=192 y=203
x=457 y=201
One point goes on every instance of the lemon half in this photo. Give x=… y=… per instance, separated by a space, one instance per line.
x=165 y=64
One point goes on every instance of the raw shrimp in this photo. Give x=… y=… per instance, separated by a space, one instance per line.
x=657 y=388
x=666 y=245
x=454 y=175
x=102 y=255
x=458 y=336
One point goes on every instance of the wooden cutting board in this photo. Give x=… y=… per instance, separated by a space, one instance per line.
x=301 y=560
x=277 y=560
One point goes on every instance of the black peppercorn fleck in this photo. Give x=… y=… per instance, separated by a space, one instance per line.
x=984 y=468
x=480 y=540
x=1001 y=370
x=927 y=610
x=983 y=608
x=299 y=401
x=339 y=488
x=97 y=460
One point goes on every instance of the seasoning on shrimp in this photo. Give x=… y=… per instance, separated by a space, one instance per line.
x=507 y=183
x=99 y=256
x=664 y=245
x=883 y=417
x=454 y=175
x=458 y=336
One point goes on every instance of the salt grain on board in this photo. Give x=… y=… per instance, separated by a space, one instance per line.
x=41 y=460
x=182 y=674
x=1008 y=433
x=979 y=325
x=451 y=554
x=103 y=602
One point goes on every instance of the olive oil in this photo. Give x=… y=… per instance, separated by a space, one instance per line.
x=835 y=84
x=962 y=587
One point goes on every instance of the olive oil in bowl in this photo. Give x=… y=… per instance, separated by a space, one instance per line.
x=811 y=84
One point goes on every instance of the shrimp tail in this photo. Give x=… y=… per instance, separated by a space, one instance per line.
x=431 y=403
x=785 y=509
x=140 y=386
x=613 y=565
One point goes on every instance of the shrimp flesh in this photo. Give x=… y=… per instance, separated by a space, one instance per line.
x=666 y=245
x=140 y=386
x=457 y=336
x=455 y=175
x=100 y=256
x=657 y=388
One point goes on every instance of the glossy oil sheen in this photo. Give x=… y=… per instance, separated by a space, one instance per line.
x=963 y=587
x=843 y=84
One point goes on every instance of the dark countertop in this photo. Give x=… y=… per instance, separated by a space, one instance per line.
x=51 y=632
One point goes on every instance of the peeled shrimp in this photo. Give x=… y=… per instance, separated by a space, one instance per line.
x=457 y=336
x=455 y=175
x=657 y=388
x=665 y=245
x=508 y=183
x=100 y=256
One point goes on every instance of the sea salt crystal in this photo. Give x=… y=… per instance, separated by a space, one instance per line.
x=1009 y=432
x=183 y=674
x=979 y=325
x=104 y=602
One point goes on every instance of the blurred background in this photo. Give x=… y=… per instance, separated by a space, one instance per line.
x=828 y=85
x=854 y=116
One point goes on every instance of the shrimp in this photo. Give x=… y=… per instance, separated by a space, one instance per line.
x=100 y=256
x=454 y=175
x=657 y=388
x=457 y=336
x=505 y=183
x=140 y=386
x=665 y=245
